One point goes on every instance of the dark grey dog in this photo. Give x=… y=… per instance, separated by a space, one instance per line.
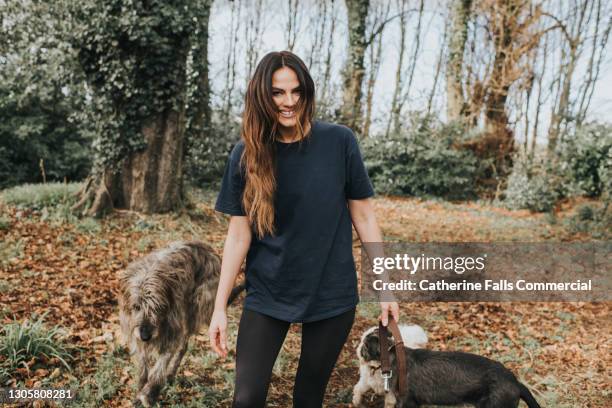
x=164 y=298
x=450 y=378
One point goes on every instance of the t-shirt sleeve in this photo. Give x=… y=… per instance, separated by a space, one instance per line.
x=358 y=184
x=229 y=200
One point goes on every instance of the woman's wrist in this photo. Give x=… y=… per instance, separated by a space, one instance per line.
x=220 y=308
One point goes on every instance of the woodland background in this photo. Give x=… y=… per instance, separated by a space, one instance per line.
x=479 y=120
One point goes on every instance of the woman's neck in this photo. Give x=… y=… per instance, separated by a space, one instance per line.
x=288 y=135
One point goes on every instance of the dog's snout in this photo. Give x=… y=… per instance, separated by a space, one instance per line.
x=145 y=333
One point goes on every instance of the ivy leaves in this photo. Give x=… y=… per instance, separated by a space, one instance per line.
x=134 y=54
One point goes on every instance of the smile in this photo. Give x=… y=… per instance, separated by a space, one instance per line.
x=287 y=114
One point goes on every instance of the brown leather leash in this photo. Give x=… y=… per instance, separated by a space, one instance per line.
x=385 y=363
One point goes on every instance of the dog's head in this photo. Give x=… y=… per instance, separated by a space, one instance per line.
x=369 y=346
x=145 y=301
x=413 y=336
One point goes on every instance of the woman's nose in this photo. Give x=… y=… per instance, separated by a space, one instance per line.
x=290 y=100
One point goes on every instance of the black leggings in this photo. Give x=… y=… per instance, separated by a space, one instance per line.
x=260 y=338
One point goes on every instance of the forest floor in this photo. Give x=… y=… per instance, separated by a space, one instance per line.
x=67 y=270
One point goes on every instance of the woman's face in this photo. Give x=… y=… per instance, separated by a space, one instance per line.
x=286 y=92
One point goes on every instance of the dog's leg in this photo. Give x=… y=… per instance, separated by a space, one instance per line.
x=143 y=372
x=176 y=362
x=358 y=390
x=390 y=400
x=157 y=378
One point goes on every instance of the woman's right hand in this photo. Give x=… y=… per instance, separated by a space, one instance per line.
x=217 y=332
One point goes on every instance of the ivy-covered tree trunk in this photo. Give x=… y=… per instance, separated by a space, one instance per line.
x=200 y=112
x=354 y=72
x=149 y=180
x=499 y=137
x=135 y=56
x=460 y=17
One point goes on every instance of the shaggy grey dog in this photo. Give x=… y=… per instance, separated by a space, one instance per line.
x=441 y=377
x=164 y=298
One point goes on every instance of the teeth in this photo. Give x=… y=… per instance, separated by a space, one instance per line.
x=287 y=114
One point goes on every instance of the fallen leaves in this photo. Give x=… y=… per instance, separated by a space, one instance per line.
x=562 y=347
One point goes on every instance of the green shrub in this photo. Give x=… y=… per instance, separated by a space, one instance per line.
x=38 y=196
x=533 y=186
x=422 y=162
x=40 y=92
x=585 y=213
x=596 y=220
x=586 y=159
x=208 y=152
x=31 y=339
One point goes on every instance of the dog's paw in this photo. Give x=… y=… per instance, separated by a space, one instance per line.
x=136 y=403
x=141 y=401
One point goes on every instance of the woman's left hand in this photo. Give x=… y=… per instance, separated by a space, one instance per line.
x=385 y=308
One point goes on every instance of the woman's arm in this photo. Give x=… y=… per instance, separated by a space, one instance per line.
x=364 y=220
x=236 y=246
x=235 y=249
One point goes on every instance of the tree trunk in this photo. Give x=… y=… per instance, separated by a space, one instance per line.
x=460 y=17
x=575 y=44
x=500 y=137
x=434 y=87
x=292 y=24
x=395 y=111
x=375 y=50
x=328 y=56
x=230 y=69
x=140 y=152
x=200 y=113
x=413 y=62
x=560 y=114
x=354 y=72
x=253 y=36
x=149 y=181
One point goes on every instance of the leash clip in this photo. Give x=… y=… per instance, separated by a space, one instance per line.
x=387 y=377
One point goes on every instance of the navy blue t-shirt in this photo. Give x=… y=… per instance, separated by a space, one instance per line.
x=306 y=271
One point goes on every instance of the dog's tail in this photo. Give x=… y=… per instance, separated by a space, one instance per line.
x=528 y=397
x=235 y=292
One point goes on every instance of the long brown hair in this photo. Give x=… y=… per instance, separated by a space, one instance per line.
x=260 y=130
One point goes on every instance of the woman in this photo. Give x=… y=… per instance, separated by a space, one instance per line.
x=292 y=185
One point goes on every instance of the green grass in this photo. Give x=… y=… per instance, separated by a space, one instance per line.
x=10 y=250
x=38 y=196
x=5 y=286
x=88 y=226
x=205 y=395
x=59 y=214
x=145 y=243
x=104 y=383
x=21 y=342
x=5 y=223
